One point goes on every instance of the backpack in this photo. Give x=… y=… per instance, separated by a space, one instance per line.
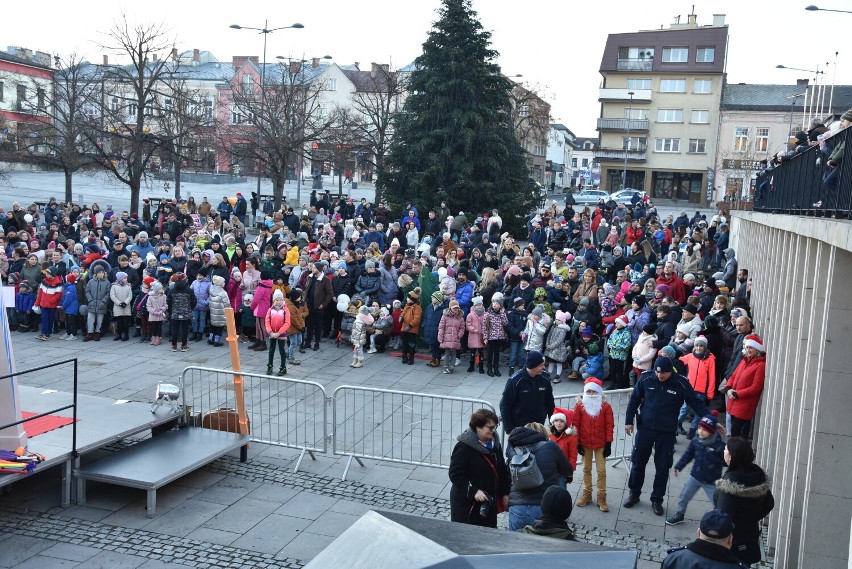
x=524 y=469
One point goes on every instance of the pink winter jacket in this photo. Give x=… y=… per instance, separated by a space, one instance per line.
x=262 y=298
x=451 y=330
x=474 y=330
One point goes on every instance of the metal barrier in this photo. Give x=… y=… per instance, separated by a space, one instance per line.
x=622 y=445
x=398 y=426
x=281 y=411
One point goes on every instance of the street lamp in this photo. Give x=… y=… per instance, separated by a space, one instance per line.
x=299 y=164
x=813 y=8
x=815 y=94
x=627 y=145
x=265 y=31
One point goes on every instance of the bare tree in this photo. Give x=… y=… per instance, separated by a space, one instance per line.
x=70 y=109
x=271 y=128
x=342 y=142
x=125 y=141
x=377 y=98
x=185 y=125
x=530 y=116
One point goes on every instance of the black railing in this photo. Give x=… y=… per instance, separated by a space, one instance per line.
x=806 y=185
x=72 y=405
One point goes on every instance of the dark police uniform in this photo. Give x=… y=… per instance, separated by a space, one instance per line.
x=658 y=404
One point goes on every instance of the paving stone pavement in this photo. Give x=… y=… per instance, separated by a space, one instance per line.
x=261 y=513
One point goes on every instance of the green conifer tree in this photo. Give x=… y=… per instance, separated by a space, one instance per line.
x=454 y=138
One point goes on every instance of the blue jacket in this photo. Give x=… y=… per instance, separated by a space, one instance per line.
x=70 y=302
x=464 y=294
x=661 y=402
x=594 y=365
x=431 y=321
x=516 y=325
x=24 y=302
x=201 y=288
x=526 y=400
x=375 y=237
x=709 y=459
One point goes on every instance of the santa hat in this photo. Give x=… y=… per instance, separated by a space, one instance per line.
x=754 y=341
x=71 y=279
x=566 y=415
x=593 y=384
x=623 y=320
x=148 y=281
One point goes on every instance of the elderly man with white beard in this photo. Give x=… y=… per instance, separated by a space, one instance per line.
x=595 y=424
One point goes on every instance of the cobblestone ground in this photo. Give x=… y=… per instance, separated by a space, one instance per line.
x=169 y=549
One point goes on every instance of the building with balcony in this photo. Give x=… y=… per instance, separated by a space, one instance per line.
x=757 y=122
x=659 y=109
x=560 y=146
x=26 y=89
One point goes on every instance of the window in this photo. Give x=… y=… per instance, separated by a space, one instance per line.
x=40 y=98
x=703 y=86
x=573 y=162
x=675 y=54
x=207 y=113
x=700 y=116
x=636 y=114
x=538 y=150
x=114 y=104
x=705 y=55
x=741 y=138
x=1 y=90
x=637 y=83
x=672 y=85
x=761 y=139
x=131 y=109
x=168 y=105
x=585 y=162
x=332 y=84
x=697 y=145
x=22 y=96
x=248 y=83
x=667 y=145
x=239 y=117
x=634 y=143
x=669 y=115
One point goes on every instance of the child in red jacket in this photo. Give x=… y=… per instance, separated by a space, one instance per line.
x=563 y=433
x=701 y=372
x=49 y=297
x=595 y=424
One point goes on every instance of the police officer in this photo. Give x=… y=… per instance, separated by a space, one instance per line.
x=712 y=549
x=660 y=393
x=528 y=395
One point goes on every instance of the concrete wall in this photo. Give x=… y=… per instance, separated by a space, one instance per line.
x=801 y=270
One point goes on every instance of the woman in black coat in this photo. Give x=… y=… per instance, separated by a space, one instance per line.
x=478 y=473
x=745 y=493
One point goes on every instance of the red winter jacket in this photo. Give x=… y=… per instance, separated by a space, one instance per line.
x=568 y=444
x=277 y=320
x=594 y=432
x=49 y=292
x=701 y=373
x=676 y=288
x=633 y=235
x=747 y=381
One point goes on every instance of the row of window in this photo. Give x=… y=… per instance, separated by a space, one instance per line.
x=742 y=136
x=671 y=145
x=699 y=86
x=22 y=96
x=697 y=116
x=703 y=54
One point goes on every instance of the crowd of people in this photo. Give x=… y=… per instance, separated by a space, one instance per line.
x=608 y=295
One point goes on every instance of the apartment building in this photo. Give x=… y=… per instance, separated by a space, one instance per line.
x=659 y=116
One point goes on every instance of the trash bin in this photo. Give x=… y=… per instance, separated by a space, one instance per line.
x=354 y=185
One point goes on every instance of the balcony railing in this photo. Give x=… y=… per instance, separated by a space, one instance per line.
x=617 y=94
x=634 y=64
x=637 y=155
x=805 y=184
x=633 y=125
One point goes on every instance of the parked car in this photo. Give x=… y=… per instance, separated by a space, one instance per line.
x=588 y=197
x=625 y=195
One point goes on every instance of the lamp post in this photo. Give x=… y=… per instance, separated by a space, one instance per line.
x=814 y=93
x=299 y=157
x=813 y=8
x=265 y=31
x=627 y=144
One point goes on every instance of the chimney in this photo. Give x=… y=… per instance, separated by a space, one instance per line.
x=195 y=55
x=358 y=65
x=106 y=59
x=314 y=62
x=802 y=82
x=295 y=67
x=718 y=20
x=691 y=20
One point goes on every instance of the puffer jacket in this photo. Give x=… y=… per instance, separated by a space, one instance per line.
x=494 y=325
x=747 y=380
x=359 y=330
x=745 y=494
x=297 y=317
x=388 y=290
x=218 y=302
x=701 y=373
x=517 y=323
x=121 y=294
x=535 y=331
x=411 y=317
x=49 y=292
x=594 y=432
x=474 y=324
x=70 y=303
x=618 y=344
x=551 y=461
x=181 y=301
x=262 y=299
x=709 y=458
x=97 y=295
x=644 y=352
x=432 y=321
x=277 y=320
x=369 y=283
x=556 y=346
x=201 y=289
x=157 y=304
x=451 y=330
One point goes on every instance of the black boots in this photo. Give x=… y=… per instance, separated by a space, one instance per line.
x=472 y=364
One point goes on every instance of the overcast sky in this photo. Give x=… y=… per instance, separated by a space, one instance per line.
x=556 y=44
